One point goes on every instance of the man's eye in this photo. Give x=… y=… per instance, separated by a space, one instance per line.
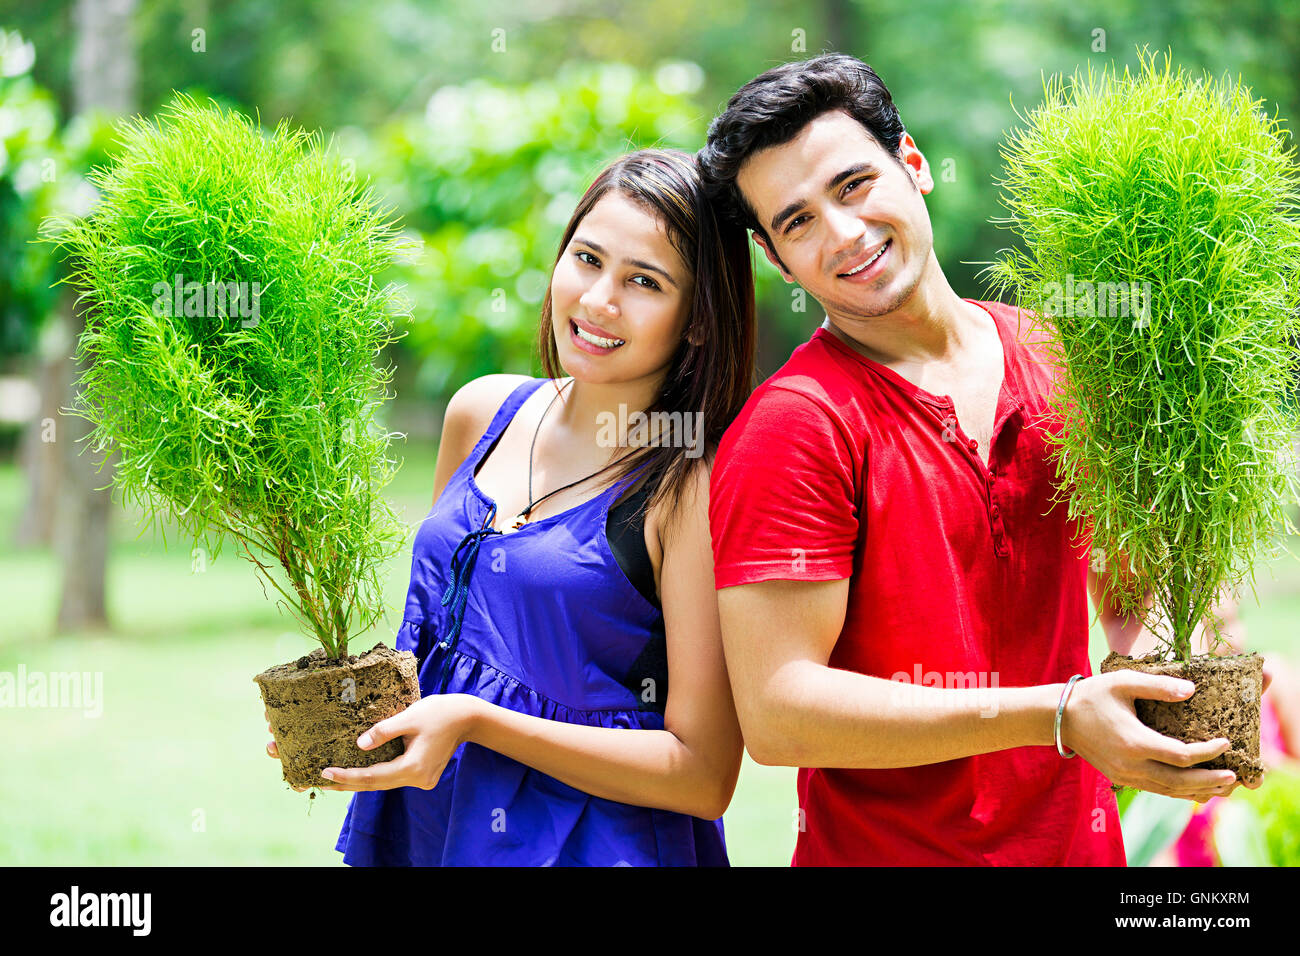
x=856 y=184
x=794 y=223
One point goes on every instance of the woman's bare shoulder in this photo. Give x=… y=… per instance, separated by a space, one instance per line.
x=467 y=417
x=471 y=409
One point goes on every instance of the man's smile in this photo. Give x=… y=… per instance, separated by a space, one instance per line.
x=868 y=264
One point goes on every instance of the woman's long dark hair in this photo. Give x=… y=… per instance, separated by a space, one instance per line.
x=715 y=377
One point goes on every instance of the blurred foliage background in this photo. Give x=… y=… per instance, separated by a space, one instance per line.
x=481 y=123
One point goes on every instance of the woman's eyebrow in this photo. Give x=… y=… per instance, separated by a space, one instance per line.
x=639 y=263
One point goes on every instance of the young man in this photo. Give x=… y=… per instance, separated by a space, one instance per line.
x=902 y=603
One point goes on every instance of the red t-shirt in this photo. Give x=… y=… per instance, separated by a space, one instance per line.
x=838 y=467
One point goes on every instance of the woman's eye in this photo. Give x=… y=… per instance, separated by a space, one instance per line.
x=593 y=262
x=652 y=285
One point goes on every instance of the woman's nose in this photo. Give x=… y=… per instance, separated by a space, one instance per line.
x=596 y=300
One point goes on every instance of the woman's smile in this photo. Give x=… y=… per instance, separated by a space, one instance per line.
x=588 y=339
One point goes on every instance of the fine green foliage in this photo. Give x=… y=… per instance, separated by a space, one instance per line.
x=1159 y=217
x=1152 y=822
x=1277 y=812
x=232 y=332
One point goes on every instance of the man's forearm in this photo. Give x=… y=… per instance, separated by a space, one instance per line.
x=818 y=716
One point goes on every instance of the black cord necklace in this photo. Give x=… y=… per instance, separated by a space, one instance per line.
x=522 y=518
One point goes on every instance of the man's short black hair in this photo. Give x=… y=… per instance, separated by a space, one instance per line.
x=775 y=106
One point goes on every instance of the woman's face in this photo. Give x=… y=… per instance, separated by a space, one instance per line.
x=620 y=281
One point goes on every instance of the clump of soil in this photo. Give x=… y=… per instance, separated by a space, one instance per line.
x=318 y=708
x=1224 y=704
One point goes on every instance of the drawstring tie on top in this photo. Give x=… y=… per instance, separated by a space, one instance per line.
x=457 y=593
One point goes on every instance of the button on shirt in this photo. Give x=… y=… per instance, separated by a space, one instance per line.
x=961 y=575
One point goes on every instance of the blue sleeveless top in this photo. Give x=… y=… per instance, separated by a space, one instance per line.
x=543 y=621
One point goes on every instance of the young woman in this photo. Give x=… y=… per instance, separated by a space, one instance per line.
x=563 y=581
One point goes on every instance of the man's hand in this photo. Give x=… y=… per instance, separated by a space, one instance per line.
x=1100 y=724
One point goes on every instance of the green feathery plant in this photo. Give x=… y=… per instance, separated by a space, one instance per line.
x=1159 y=218
x=233 y=327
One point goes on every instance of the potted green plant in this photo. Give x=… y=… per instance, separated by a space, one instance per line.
x=234 y=322
x=1157 y=213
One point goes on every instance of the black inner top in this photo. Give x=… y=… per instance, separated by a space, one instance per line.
x=626 y=532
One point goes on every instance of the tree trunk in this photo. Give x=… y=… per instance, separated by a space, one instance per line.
x=103 y=78
x=81 y=535
x=39 y=455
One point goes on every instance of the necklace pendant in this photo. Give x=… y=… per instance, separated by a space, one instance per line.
x=519 y=522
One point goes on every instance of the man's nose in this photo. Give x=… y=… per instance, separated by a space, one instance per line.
x=846 y=231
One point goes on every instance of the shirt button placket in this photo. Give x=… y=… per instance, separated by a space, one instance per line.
x=999 y=532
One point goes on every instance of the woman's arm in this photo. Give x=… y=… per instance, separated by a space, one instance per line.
x=689 y=767
x=1125 y=633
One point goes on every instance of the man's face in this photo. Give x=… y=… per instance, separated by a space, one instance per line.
x=830 y=200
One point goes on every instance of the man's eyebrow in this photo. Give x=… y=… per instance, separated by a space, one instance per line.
x=639 y=263
x=831 y=183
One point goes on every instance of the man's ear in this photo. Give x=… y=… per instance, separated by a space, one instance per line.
x=772 y=257
x=916 y=163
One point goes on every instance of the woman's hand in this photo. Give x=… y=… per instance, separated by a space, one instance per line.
x=432 y=729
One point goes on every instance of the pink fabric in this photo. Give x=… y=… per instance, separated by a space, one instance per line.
x=1196 y=846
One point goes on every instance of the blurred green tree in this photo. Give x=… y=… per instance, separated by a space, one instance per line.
x=956 y=70
x=488 y=177
x=42 y=169
x=30 y=153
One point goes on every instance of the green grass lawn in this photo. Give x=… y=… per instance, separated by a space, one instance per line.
x=176 y=774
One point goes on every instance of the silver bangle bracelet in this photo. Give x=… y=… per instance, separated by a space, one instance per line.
x=1060 y=712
